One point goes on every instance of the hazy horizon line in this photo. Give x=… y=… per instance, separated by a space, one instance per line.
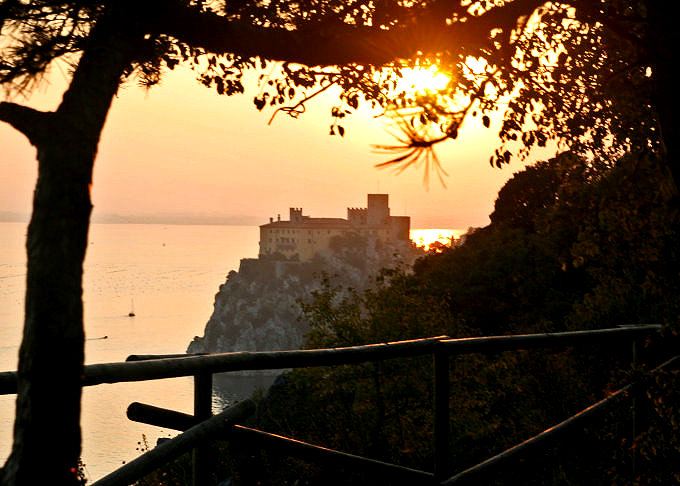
x=178 y=219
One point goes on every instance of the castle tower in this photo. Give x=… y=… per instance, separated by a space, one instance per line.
x=378 y=209
x=295 y=215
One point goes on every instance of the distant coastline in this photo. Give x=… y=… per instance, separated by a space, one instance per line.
x=174 y=219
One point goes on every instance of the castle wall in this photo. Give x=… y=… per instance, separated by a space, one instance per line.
x=303 y=236
x=400 y=227
x=303 y=242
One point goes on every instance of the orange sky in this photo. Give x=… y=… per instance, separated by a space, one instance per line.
x=182 y=149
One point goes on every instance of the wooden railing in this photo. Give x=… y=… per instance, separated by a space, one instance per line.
x=201 y=427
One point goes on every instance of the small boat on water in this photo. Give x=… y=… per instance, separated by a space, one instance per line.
x=132 y=309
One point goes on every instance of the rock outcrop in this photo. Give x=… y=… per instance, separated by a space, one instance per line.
x=256 y=309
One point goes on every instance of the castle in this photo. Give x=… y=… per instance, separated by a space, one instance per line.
x=304 y=236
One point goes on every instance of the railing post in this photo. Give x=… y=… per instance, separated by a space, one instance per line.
x=635 y=411
x=441 y=413
x=634 y=402
x=201 y=463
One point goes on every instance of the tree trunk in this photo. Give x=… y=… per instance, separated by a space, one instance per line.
x=661 y=48
x=47 y=436
x=46 y=431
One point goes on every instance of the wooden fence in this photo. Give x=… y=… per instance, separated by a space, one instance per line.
x=202 y=427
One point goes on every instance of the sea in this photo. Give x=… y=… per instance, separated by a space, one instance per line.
x=167 y=275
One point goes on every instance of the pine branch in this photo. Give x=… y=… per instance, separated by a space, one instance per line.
x=337 y=43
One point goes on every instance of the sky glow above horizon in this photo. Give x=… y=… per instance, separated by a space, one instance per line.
x=180 y=149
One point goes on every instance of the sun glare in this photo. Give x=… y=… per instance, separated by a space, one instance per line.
x=421 y=79
x=425 y=237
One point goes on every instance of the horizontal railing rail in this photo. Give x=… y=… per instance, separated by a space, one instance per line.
x=171 y=449
x=202 y=426
x=491 y=344
x=329 y=458
x=170 y=419
x=485 y=470
x=154 y=368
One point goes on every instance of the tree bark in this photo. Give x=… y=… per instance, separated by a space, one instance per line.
x=47 y=437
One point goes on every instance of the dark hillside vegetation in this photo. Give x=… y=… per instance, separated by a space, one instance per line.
x=570 y=246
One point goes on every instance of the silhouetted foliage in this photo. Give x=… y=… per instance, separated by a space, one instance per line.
x=591 y=77
x=526 y=193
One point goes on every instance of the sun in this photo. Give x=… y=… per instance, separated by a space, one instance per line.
x=425 y=237
x=422 y=79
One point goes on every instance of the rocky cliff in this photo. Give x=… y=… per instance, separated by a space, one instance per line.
x=256 y=308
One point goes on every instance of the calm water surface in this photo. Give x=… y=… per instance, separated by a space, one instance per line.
x=170 y=274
